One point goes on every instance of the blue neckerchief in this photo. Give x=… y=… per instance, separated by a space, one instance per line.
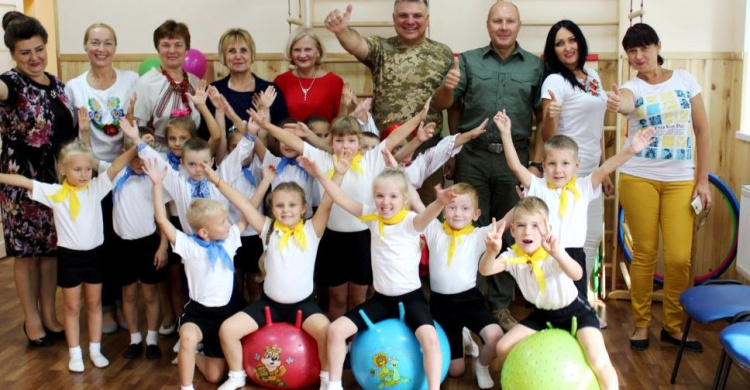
x=289 y=161
x=173 y=160
x=249 y=175
x=215 y=251
x=121 y=181
x=199 y=188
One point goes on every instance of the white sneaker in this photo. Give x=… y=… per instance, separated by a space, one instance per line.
x=99 y=361
x=176 y=347
x=233 y=383
x=174 y=361
x=470 y=347
x=75 y=365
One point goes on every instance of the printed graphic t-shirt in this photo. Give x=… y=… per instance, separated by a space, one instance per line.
x=667 y=108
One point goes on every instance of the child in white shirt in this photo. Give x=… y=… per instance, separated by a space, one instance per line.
x=455 y=248
x=566 y=195
x=395 y=261
x=544 y=273
x=344 y=264
x=207 y=256
x=291 y=245
x=76 y=204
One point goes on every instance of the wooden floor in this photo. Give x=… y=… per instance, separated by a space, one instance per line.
x=22 y=367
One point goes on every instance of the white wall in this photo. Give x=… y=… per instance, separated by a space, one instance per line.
x=683 y=25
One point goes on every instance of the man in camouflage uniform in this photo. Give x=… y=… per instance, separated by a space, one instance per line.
x=406 y=69
x=499 y=76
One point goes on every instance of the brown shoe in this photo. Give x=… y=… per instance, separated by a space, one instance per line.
x=503 y=317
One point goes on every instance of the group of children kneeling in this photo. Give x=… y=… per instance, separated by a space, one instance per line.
x=359 y=188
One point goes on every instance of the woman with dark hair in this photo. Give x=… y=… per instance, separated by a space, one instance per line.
x=656 y=189
x=573 y=104
x=162 y=93
x=35 y=122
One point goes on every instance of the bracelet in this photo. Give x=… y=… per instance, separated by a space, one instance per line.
x=251 y=137
x=536 y=165
x=141 y=145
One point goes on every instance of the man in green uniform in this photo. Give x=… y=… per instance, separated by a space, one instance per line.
x=406 y=69
x=500 y=76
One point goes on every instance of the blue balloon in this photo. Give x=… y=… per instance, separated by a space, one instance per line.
x=388 y=355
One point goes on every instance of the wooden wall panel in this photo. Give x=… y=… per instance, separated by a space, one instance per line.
x=719 y=74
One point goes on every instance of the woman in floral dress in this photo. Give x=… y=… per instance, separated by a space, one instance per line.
x=34 y=124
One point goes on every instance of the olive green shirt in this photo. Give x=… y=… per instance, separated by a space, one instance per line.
x=404 y=77
x=489 y=84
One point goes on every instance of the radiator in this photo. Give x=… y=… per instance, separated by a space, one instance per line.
x=743 y=246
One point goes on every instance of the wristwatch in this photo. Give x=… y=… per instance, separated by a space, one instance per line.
x=536 y=165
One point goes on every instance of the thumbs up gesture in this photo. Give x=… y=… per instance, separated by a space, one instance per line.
x=555 y=107
x=613 y=99
x=338 y=21
x=453 y=76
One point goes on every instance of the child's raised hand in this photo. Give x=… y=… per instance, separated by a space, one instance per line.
x=215 y=96
x=479 y=130
x=84 y=122
x=641 y=139
x=494 y=238
x=342 y=163
x=346 y=95
x=299 y=129
x=201 y=94
x=151 y=168
x=444 y=196
x=363 y=108
x=269 y=172
x=148 y=138
x=252 y=127
x=425 y=132
x=130 y=113
x=425 y=109
x=211 y=175
x=258 y=117
x=309 y=166
x=130 y=130
x=390 y=161
x=502 y=121
x=267 y=97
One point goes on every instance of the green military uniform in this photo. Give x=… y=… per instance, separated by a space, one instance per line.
x=489 y=84
x=404 y=77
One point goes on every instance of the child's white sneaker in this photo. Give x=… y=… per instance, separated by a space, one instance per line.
x=233 y=383
x=470 y=347
x=99 y=361
x=75 y=364
x=176 y=347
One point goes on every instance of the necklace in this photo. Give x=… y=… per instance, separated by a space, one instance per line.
x=182 y=89
x=306 y=90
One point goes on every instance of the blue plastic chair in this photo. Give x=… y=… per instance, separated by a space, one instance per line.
x=735 y=340
x=712 y=301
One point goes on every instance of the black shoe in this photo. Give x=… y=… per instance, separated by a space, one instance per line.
x=639 y=345
x=153 y=352
x=692 y=346
x=132 y=351
x=55 y=335
x=44 y=341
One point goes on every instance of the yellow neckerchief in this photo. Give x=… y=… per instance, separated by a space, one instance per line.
x=354 y=166
x=382 y=221
x=286 y=232
x=533 y=260
x=570 y=186
x=455 y=238
x=64 y=192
